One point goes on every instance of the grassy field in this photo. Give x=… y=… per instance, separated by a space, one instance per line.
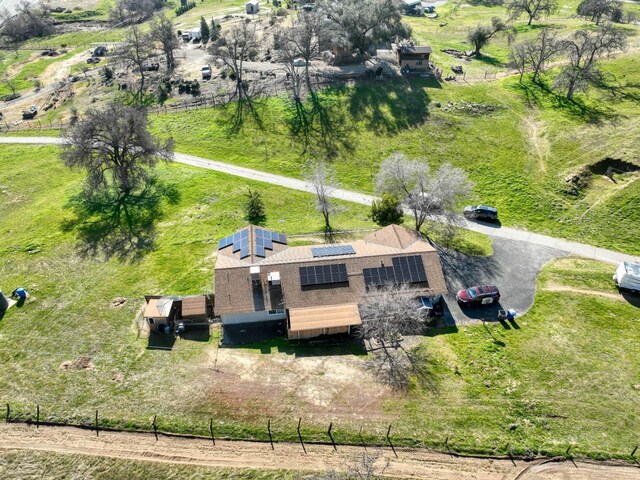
x=514 y=386
x=518 y=151
x=53 y=466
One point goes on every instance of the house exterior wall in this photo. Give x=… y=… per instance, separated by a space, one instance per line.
x=252 y=317
x=415 y=64
x=155 y=322
x=316 y=332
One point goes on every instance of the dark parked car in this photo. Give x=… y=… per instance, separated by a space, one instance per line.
x=481 y=295
x=481 y=212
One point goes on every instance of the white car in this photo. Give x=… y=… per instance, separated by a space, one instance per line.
x=299 y=62
x=206 y=72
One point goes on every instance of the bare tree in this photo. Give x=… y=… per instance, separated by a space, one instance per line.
x=121 y=198
x=232 y=48
x=361 y=25
x=482 y=34
x=29 y=21
x=584 y=48
x=133 y=11
x=596 y=9
x=423 y=192
x=163 y=32
x=136 y=51
x=322 y=177
x=535 y=9
x=388 y=314
x=534 y=54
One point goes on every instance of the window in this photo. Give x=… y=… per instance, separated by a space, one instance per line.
x=278 y=311
x=151 y=321
x=418 y=62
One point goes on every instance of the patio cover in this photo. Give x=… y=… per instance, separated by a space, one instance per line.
x=328 y=316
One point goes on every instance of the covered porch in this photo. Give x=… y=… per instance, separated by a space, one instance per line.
x=310 y=322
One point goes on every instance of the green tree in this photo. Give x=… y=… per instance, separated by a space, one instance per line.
x=387 y=210
x=204 y=30
x=254 y=208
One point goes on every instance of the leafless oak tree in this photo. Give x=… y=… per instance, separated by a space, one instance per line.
x=584 y=48
x=322 y=177
x=29 y=21
x=423 y=192
x=232 y=48
x=534 y=54
x=596 y=9
x=163 y=32
x=534 y=9
x=135 y=52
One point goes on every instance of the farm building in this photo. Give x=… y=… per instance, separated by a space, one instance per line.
x=253 y=6
x=412 y=57
x=316 y=288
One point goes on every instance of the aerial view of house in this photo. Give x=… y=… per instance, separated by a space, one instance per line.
x=321 y=240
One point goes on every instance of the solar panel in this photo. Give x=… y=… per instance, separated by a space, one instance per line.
x=323 y=274
x=404 y=270
x=332 y=251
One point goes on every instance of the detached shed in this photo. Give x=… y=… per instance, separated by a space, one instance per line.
x=160 y=314
x=194 y=310
x=309 y=322
x=253 y=6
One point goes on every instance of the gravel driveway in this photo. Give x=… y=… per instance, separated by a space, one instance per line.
x=512 y=268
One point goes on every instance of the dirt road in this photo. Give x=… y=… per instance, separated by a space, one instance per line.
x=410 y=464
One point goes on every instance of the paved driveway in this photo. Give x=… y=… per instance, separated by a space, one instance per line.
x=512 y=268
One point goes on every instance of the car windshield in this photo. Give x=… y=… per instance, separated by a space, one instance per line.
x=472 y=292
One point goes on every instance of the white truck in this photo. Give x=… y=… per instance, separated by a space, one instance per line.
x=194 y=35
x=627 y=277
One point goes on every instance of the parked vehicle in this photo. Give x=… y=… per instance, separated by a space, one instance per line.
x=99 y=51
x=627 y=277
x=151 y=67
x=92 y=60
x=431 y=306
x=206 y=72
x=30 y=112
x=480 y=295
x=481 y=212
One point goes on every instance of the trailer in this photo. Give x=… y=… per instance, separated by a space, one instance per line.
x=627 y=277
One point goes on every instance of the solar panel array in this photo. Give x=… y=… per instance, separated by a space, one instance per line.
x=265 y=239
x=332 y=251
x=323 y=274
x=404 y=270
x=240 y=242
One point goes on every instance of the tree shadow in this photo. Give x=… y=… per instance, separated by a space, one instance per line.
x=387 y=108
x=490 y=61
x=116 y=224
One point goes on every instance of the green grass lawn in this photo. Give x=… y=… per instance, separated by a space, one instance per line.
x=518 y=153
x=570 y=346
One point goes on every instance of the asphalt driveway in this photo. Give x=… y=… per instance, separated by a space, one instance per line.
x=512 y=268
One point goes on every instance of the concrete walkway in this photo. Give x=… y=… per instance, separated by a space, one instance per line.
x=566 y=246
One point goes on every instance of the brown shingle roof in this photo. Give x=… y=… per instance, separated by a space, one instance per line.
x=194 y=306
x=235 y=292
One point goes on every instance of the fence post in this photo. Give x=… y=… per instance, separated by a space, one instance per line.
x=97 y=425
x=211 y=431
x=633 y=454
x=331 y=437
x=364 y=445
x=300 y=435
x=8 y=413
x=155 y=427
x=37 y=416
x=270 y=437
x=389 y=440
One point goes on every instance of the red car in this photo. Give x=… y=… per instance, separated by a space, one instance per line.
x=481 y=295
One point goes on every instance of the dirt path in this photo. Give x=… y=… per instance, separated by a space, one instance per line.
x=411 y=463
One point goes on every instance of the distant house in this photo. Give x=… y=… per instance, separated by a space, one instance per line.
x=253 y=6
x=412 y=7
x=413 y=58
x=316 y=288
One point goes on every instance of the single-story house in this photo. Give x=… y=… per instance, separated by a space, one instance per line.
x=412 y=57
x=317 y=288
x=252 y=6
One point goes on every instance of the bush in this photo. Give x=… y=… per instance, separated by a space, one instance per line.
x=254 y=208
x=387 y=210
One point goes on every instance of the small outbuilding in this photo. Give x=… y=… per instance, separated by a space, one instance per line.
x=413 y=58
x=160 y=314
x=253 y=6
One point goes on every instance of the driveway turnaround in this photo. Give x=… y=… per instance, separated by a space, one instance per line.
x=494 y=232
x=513 y=268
